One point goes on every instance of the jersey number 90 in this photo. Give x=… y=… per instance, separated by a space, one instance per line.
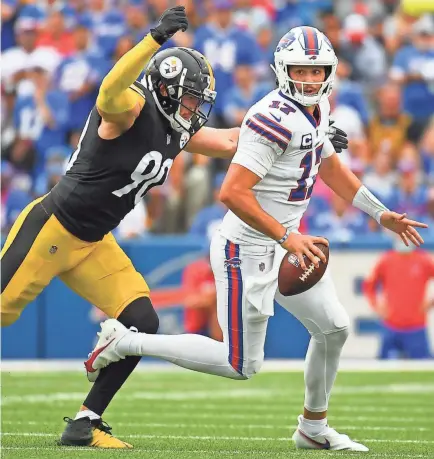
x=154 y=176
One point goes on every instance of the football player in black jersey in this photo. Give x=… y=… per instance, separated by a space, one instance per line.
x=127 y=147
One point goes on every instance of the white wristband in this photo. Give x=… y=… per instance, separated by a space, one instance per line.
x=284 y=238
x=366 y=201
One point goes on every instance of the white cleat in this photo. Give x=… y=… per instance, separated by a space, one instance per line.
x=104 y=353
x=330 y=439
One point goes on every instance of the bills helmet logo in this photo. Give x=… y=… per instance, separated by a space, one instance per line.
x=286 y=41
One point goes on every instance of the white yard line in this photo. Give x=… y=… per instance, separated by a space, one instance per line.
x=229 y=394
x=269 y=365
x=234 y=426
x=190 y=451
x=215 y=437
x=279 y=417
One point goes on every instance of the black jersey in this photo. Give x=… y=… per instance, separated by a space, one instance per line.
x=107 y=178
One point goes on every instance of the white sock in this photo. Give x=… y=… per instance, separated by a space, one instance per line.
x=313 y=427
x=322 y=362
x=194 y=352
x=87 y=414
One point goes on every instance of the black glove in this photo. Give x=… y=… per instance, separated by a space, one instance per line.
x=170 y=22
x=338 y=138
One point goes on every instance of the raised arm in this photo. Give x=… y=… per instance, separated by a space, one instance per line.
x=117 y=102
x=115 y=96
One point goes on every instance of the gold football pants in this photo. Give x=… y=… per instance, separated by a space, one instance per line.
x=39 y=248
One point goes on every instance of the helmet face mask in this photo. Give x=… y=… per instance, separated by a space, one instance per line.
x=182 y=84
x=306 y=47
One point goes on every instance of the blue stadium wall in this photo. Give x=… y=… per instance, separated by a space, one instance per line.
x=59 y=324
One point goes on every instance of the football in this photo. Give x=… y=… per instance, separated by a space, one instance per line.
x=293 y=279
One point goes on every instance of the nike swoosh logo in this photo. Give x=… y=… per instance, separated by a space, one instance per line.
x=89 y=362
x=318 y=444
x=276 y=118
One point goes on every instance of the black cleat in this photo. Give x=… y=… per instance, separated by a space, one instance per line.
x=84 y=432
x=77 y=432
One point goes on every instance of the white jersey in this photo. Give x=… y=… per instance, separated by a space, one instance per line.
x=283 y=144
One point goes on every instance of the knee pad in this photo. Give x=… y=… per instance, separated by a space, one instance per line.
x=338 y=337
x=140 y=314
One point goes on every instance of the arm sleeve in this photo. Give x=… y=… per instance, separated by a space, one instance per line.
x=255 y=151
x=114 y=96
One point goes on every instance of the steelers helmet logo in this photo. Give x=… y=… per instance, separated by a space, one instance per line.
x=171 y=67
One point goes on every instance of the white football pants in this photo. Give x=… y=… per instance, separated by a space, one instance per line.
x=246 y=282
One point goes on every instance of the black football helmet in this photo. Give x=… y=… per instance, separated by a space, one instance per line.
x=175 y=76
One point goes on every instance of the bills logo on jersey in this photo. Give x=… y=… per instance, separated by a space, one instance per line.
x=184 y=139
x=234 y=262
x=306 y=142
x=286 y=41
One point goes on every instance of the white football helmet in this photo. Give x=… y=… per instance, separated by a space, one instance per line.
x=304 y=46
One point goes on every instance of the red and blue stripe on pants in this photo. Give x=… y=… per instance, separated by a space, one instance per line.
x=235 y=307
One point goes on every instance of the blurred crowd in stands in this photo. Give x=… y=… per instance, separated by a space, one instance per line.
x=55 y=54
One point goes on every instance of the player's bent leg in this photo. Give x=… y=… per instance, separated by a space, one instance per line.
x=241 y=354
x=139 y=316
x=194 y=352
x=321 y=312
x=108 y=280
x=87 y=429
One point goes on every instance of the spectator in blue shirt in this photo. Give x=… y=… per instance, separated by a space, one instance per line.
x=410 y=196
x=209 y=218
x=17 y=199
x=427 y=153
x=340 y=222
x=366 y=57
x=349 y=92
x=9 y=15
x=42 y=117
x=74 y=12
x=137 y=20
x=242 y=95
x=413 y=67
x=56 y=159
x=80 y=75
x=225 y=46
x=108 y=25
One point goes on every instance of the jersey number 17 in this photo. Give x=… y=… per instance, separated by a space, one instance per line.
x=303 y=191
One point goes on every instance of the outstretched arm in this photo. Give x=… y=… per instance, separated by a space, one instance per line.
x=216 y=143
x=344 y=183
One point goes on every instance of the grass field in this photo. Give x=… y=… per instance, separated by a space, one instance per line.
x=187 y=415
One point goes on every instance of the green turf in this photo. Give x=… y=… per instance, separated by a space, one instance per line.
x=187 y=415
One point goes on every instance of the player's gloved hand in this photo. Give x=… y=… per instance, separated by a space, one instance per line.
x=337 y=137
x=170 y=22
x=303 y=245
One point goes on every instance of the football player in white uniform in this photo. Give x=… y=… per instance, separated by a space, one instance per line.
x=284 y=143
